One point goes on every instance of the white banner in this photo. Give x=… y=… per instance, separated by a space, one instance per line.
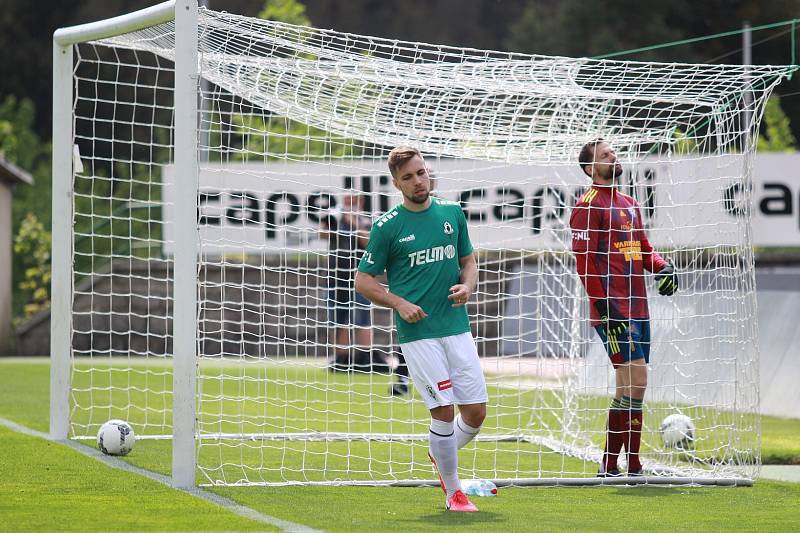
x=276 y=207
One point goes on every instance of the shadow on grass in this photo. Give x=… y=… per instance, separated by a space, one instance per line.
x=661 y=490
x=445 y=518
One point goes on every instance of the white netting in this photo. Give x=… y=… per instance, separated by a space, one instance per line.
x=291 y=120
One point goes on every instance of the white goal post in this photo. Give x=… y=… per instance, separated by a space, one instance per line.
x=196 y=155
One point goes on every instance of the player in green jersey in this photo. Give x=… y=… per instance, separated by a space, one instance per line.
x=423 y=246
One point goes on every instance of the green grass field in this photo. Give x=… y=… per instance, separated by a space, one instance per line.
x=51 y=487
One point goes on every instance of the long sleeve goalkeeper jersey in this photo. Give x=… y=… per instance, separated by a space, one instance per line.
x=612 y=251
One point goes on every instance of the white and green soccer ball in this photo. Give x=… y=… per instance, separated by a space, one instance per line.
x=677 y=431
x=115 y=438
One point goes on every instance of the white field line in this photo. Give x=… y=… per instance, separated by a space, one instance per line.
x=113 y=462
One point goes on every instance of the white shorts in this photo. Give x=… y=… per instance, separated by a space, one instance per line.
x=446 y=370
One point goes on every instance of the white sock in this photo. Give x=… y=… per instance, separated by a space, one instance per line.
x=443 y=449
x=464 y=432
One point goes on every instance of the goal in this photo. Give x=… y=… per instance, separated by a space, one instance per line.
x=197 y=153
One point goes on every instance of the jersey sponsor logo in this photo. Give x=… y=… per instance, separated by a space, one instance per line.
x=431 y=255
x=444 y=385
x=367 y=258
x=580 y=235
x=632 y=250
x=408 y=238
x=448 y=229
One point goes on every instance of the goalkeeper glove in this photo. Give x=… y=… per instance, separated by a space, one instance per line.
x=667 y=280
x=614 y=325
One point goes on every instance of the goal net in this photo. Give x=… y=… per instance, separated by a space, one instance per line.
x=293 y=128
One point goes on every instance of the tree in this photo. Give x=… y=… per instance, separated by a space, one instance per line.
x=32 y=246
x=20 y=144
x=777 y=135
x=260 y=136
x=574 y=28
x=289 y=11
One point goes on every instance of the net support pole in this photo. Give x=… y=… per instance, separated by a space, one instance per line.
x=61 y=260
x=184 y=407
x=747 y=60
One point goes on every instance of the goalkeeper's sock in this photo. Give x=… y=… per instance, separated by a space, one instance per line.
x=362 y=361
x=379 y=362
x=615 y=434
x=443 y=449
x=632 y=411
x=341 y=361
x=402 y=367
x=464 y=432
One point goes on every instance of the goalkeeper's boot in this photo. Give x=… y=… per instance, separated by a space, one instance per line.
x=398 y=389
x=614 y=472
x=436 y=468
x=341 y=361
x=459 y=503
x=636 y=472
x=335 y=365
x=379 y=363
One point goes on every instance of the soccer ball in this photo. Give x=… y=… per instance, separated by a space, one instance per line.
x=677 y=431
x=115 y=438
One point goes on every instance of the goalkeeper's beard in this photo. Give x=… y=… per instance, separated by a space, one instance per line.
x=419 y=199
x=611 y=172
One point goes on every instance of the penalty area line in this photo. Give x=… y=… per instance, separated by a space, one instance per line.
x=113 y=462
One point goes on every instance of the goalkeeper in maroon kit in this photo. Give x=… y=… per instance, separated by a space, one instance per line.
x=612 y=252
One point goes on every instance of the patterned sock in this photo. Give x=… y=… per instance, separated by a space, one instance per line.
x=464 y=432
x=632 y=410
x=614 y=436
x=443 y=449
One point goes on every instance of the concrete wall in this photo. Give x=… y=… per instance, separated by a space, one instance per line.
x=779 y=346
x=5 y=268
x=128 y=311
x=253 y=310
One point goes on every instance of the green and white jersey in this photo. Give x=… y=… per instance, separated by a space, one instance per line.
x=420 y=253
